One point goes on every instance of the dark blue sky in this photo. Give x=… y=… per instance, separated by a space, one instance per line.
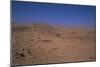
x=63 y=14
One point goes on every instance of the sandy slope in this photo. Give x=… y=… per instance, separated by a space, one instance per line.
x=43 y=44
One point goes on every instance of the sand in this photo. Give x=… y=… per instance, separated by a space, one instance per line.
x=43 y=44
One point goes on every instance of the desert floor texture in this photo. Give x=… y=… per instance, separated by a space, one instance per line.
x=44 y=44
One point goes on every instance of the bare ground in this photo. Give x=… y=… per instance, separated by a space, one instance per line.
x=43 y=44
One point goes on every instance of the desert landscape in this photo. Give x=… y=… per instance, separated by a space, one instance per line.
x=47 y=44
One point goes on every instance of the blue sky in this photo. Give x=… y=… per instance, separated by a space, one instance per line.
x=61 y=14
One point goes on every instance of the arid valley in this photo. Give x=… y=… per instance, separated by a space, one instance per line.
x=45 y=44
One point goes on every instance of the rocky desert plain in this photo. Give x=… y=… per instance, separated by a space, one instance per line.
x=46 y=44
